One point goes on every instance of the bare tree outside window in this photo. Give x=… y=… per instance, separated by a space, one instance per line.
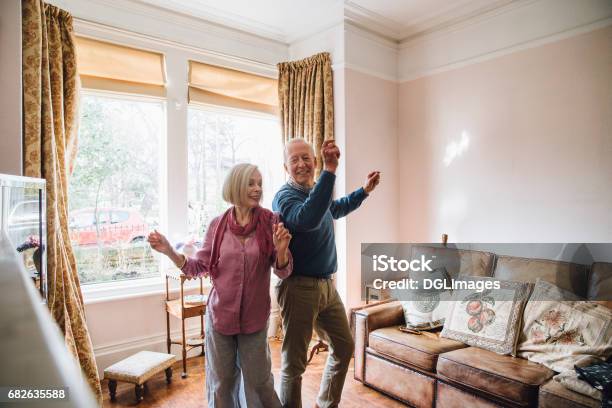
x=114 y=188
x=218 y=139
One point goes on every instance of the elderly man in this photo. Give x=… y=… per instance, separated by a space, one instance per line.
x=308 y=298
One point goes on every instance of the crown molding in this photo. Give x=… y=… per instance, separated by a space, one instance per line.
x=368 y=20
x=451 y=16
x=463 y=23
x=219 y=17
x=493 y=35
x=500 y=53
x=399 y=32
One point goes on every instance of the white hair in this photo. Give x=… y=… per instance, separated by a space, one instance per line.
x=294 y=141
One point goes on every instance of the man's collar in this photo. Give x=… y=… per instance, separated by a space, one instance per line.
x=294 y=184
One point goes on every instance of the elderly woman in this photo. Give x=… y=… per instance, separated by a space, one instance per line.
x=239 y=248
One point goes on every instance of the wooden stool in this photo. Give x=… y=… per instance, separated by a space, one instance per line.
x=137 y=369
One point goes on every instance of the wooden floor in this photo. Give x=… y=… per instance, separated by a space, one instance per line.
x=189 y=392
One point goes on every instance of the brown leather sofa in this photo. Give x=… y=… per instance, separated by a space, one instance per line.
x=427 y=370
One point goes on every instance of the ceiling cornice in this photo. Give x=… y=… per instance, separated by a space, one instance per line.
x=233 y=21
x=441 y=19
x=371 y=21
x=452 y=16
x=219 y=17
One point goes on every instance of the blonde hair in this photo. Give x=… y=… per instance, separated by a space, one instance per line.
x=236 y=184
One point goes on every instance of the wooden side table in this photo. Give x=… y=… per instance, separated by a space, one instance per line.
x=181 y=310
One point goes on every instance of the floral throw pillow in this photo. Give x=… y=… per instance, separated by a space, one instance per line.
x=561 y=330
x=490 y=318
x=427 y=309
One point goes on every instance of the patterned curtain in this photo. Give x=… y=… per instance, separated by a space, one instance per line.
x=306 y=101
x=50 y=117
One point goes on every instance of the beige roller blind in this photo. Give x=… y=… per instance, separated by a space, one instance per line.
x=111 y=67
x=235 y=89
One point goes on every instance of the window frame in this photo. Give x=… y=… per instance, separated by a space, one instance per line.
x=174 y=197
x=106 y=291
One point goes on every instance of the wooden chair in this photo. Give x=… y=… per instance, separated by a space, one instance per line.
x=179 y=309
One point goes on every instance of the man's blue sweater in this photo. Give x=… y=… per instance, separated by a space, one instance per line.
x=309 y=217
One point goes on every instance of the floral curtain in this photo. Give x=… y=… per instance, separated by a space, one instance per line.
x=306 y=101
x=50 y=116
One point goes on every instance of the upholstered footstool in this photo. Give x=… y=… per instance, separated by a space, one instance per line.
x=137 y=369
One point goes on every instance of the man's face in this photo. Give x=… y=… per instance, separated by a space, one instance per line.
x=300 y=163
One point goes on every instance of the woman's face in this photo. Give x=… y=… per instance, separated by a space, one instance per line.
x=254 y=190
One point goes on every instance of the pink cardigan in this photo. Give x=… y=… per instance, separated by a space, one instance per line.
x=239 y=301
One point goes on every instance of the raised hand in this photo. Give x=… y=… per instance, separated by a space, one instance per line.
x=372 y=181
x=159 y=243
x=281 y=237
x=330 y=153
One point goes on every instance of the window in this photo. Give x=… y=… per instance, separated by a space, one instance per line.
x=114 y=188
x=114 y=191
x=219 y=138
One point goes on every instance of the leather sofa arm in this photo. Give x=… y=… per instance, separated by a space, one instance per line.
x=367 y=319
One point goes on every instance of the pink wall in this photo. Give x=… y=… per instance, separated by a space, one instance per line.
x=518 y=148
x=370 y=114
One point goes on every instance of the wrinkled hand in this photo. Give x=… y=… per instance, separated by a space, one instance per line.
x=281 y=238
x=330 y=153
x=159 y=243
x=372 y=181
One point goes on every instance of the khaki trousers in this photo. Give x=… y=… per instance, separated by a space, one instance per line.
x=306 y=304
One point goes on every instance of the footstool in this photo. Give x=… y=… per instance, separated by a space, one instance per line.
x=137 y=369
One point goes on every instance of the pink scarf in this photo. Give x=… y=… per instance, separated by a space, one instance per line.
x=260 y=223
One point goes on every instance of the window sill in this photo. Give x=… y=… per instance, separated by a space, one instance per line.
x=114 y=291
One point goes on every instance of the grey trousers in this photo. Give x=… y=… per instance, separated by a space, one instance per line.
x=239 y=370
x=308 y=303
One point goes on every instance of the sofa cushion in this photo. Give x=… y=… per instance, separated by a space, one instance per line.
x=420 y=350
x=508 y=378
x=409 y=386
x=570 y=380
x=555 y=395
x=568 y=276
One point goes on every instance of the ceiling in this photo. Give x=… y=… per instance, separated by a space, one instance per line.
x=289 y=20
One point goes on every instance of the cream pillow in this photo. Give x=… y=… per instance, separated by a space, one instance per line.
x=427 y=309
x=489 y=319
x=561 y=330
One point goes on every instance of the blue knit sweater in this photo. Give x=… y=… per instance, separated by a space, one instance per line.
x=309 y=218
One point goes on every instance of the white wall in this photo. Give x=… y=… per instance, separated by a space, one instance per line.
x=10 y=83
